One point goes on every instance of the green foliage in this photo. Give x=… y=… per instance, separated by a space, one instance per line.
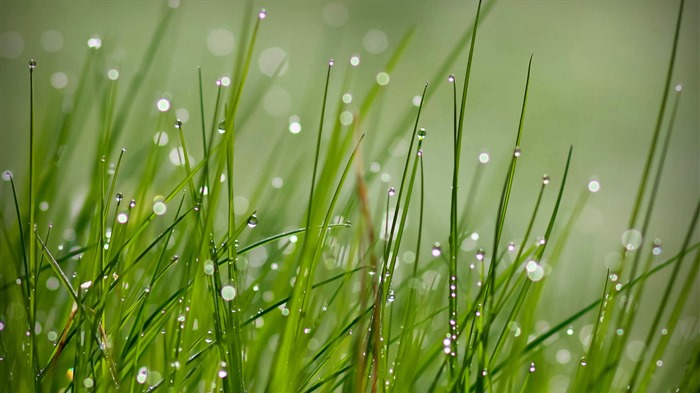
x=169 y=280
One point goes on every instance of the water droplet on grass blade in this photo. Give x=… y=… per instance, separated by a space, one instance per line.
x=262 y=14
x=142 y=375
x=222 y=127
x=209 y=267
x=422 y=133
x=228 y=292
x=331 y=62
x=32 y=64
x=545 y=179
x=436 y=249
x=178 y=123
x=252 y=221
x=631 y=239
x=119 y=197
x=517 y=152
x=391 y=192
x=451 y=78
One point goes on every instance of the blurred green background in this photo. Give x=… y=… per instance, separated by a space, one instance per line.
x=597 y=81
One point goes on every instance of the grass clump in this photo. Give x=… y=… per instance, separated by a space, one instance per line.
x=163 y=278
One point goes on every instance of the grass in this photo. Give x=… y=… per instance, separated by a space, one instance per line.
x=165 y=282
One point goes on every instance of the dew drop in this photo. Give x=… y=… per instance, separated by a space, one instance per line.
x=32 y=64
x=656 y=249
x=516 y=152
x=142 y=375
x=119 y=197
x=679 y=87
x=545 y=179
x=94 y=43
x=511 y=246
x=262 y=14
x=331 y=62
x=228 y=292
x=391 y=297
x=480 y=254
x=178 y=123
x=252 y=221
x=132 y=204
x=222 y=373
x=436 y=249
x=584 y=362
x=593 y=186
x=222 y=127
x=391 y=192
x=532 y=367
x=484 y=157
x=209 y=267
x=422 y=133
x=451 y=78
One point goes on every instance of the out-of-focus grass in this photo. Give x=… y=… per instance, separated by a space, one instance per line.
x=227 y=247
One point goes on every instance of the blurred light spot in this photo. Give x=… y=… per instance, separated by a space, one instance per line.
x=383 y=78
x=277 y=182
x=347 y=98
x=59 y=80
x=335 y=14
x=11 y=44
x=563 y=356
x=160 y=138
x=113 y=74
x=355 y=61
x=416 y=100
x=43 y=206
x=484 y=158
x=346 y=118
x=51 y=41
x=220 y=42
x=635 y=349
x=240 y=205
x=277 y=102
x=163 y=105
x=594 y=186
x=94 y=43
x=182 y=114
x=173 y=3
x=375 y=41
x=52 y=283
x=177 y=156
x=273 y=60
x=631 y=239
x=225 y=81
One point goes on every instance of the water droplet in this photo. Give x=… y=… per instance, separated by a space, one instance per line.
x=307 y=330
x=142 y=375
x=222 y=127
x=484 y=157
x=679 y=87
x=6 y=176
x=436 y=249
x=480 y=254
x=252 y=221
x=656 y=249
x=222 y=373
x=420 y=153
x=593 y=186
x=392 y=191
x=228 y=292
x=159 y=206
x=88 y=383
x=209 y=267
x=132 y=204
x=119 y=197
x=421 y=134
x=94 y=43
x=511 y=246
x=331 y=62
x=532 y=367
x=451 y=78
x=391 y=297
x=262 y=14
x=584 y=362
x=178 y=123
x=516 y=152
x=545 y=179
x=32 y=64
